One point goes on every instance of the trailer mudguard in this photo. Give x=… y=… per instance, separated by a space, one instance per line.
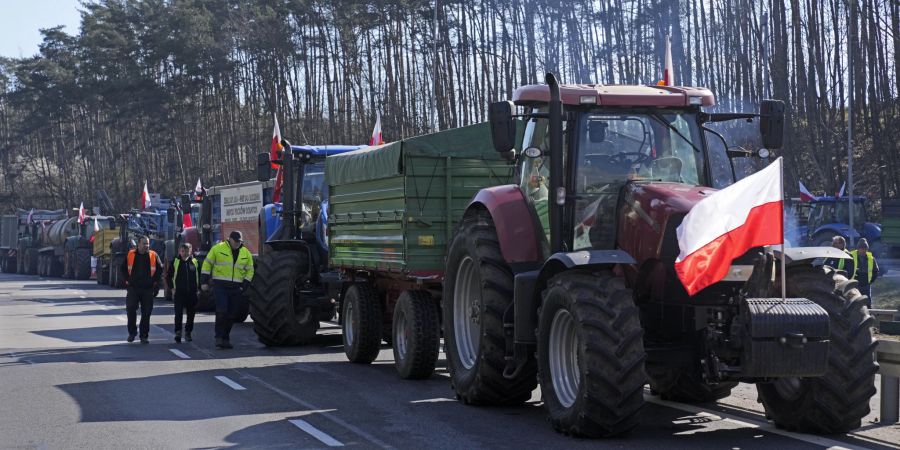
x=517 y=227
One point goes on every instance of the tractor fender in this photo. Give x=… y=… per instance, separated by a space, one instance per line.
x=528 y=286
x=517 y=226
x=805 y=255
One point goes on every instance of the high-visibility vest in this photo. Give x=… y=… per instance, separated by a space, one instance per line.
x=222 y=266
x=870 y=263
x=175 y=275
x=131 y=254
x=841 y=262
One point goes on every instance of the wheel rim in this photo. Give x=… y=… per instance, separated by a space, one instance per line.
x=563 y=357
x=789 y=388
x=467 y=312
x=349 y=323
x=400 y=339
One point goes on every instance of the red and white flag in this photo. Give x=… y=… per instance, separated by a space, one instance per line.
x=843 y=190
x=727 y=224
x=198 y=189
x=31 y=216
x=96 y=225
x=276 y=144
x=81 y=214
x=668 y=70
x=145 y=197
x=805 y=195
x=376 y=138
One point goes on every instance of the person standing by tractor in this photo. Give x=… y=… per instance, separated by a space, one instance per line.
x=183 y=276
x=866 y=268
x=846 y=265
x=229 y=266
x=141 y=281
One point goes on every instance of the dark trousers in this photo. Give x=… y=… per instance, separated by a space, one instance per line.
x=185 y=302
x=227 y=301
x=144 y=299
x=866 y=289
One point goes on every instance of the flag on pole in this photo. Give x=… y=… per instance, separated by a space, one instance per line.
x=145 y=197
x=843 y=186
x=81 y=214
x=276 y=191
x=668 y=70
x=198 y=189
x=96 y=225
x=805 y=195
x=30 y=216
x=276 y=144
x=726 y=224
x=376 y=138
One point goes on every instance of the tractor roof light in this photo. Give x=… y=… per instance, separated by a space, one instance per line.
x=587 y=99
x=695 y=101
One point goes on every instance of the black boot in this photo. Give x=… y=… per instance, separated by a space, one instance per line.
x=220 y=343
x=178 y=336
x=226 y=343
x=130 y=338
x=145 y=340
x=187 y=337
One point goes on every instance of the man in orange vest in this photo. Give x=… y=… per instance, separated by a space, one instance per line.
x=143 y=271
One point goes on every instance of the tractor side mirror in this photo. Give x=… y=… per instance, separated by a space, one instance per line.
x=263 y=167
x=503 y=127
x=771 y=123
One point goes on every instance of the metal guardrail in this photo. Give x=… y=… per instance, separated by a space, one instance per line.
x=888 y=355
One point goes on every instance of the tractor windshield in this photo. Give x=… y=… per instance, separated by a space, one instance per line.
x=315 y=189
x=614 y=148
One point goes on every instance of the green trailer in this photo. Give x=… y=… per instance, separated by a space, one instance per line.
x=890 y=226
x=392 y=210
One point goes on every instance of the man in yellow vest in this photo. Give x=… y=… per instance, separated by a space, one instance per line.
x=141 y=280
x=183 y=277
x=846 y=265
x=866 y=268
x=229 y=265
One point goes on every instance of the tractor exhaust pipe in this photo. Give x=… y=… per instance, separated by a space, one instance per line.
x=557 y=191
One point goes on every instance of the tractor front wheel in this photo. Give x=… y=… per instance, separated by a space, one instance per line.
x=280 y=314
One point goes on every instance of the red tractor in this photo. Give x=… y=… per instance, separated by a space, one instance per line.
x=567 y=278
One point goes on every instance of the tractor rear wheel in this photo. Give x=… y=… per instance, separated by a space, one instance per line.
x=361 y=315
x=277 y=306
x=837 y=401
x=416 y=335
x=82 y=264
x=590 y=355
x=68 y=264
x=478 y=288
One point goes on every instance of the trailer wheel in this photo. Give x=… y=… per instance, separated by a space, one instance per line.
x=416 y=335
x=682 y=385
x=82 y=264
x=361 y=316
x=277 y=304
x=478 y=287
x=590 y=355
x=837 y=401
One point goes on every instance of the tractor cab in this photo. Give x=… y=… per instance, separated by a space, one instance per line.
x=830 y=216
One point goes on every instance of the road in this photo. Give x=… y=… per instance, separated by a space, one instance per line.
x=68 y=380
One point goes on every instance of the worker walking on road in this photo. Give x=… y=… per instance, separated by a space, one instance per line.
x=866 y=268
x=142 y=283
x=183 y=278
x=229 y=265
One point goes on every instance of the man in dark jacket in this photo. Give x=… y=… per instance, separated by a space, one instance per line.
x=143 y=270
x=182 y=277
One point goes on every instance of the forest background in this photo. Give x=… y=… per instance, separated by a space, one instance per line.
x=172 y=90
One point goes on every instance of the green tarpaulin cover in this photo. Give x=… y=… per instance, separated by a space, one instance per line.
x=385 y=161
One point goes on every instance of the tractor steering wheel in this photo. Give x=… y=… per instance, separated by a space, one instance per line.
x=629 y=159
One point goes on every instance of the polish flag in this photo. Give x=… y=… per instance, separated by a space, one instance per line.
x=727 y=224
x=843 y=187
x=96 y=225
x=805 y=195
x=145 y=197
x=198 y=189
x=276 y=144
x=668 y=70
x=376 y=138
x=81 y=214
x=31 y=216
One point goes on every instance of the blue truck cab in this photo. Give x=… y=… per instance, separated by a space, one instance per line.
x=830 y=216
x=315 y=192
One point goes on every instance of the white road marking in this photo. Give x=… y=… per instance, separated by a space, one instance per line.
x=122 y=318
x=316 y=433
x=757 y=424
x=434 y=400
x=179 y=353
x=230 y=383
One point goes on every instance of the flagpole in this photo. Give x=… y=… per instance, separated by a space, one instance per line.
x=783 y=279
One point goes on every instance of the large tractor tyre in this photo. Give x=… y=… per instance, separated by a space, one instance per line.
x=279 y=311
x=416 y=335
x=68 y=264
x=837 y=401
x=206 y=302
x=82 y=264
x=361 y=316
x=478 y=288
x=102 y=274
x=590 y=355
x=54 y=267
x=686 y=386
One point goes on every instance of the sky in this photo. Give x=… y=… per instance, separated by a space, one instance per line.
x=20 y=21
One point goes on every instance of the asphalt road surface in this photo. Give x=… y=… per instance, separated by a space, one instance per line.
x=69 y=380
